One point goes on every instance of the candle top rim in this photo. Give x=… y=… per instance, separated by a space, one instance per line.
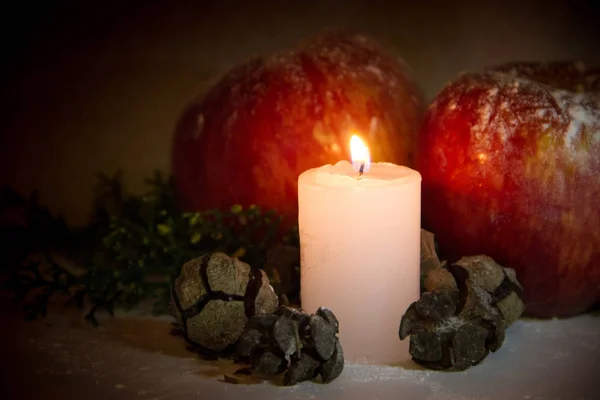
x=343 y=175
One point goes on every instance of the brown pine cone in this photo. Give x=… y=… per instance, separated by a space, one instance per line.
x=463 y=314
x=213 y=298
x=305 y=346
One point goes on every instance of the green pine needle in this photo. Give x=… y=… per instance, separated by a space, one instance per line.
x=135 y=247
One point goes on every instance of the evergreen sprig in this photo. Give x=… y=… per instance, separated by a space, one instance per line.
x=136 y=245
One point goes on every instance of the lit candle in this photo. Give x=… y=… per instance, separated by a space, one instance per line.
x=360 y=250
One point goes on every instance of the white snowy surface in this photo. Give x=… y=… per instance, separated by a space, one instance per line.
x=135 y=357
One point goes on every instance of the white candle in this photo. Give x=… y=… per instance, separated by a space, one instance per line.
x=360 y=252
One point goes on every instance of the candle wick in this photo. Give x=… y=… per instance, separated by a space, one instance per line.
x=361 y=170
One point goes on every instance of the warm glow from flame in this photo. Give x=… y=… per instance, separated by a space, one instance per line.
x=360 y=154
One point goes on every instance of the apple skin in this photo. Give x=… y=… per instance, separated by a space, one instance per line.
x=510 y=161
x=272 y=118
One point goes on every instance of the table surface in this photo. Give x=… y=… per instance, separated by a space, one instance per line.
x=133 y=356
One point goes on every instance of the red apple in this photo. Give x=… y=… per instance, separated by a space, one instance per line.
x=272 y=118
x=510 y=160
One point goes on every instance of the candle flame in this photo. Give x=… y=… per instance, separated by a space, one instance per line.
x=361 y=160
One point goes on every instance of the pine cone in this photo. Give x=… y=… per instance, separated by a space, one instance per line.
x=463 y=314
x=304 y=345
x=213 y=298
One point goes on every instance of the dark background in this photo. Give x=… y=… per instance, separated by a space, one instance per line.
x=96 y=86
